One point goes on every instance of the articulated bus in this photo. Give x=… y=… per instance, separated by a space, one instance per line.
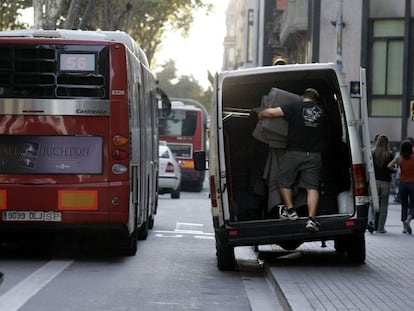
x=78 y=135
x=184 y=130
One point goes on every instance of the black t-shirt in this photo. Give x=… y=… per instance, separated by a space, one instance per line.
x=307 y=129
x=383 y=173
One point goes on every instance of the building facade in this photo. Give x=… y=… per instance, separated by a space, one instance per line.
x=375 y=34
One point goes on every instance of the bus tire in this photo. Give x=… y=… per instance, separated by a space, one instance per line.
x=151 y=221
x=130 y=245
x=175 y=194
x=143 y=230
x=226 y=260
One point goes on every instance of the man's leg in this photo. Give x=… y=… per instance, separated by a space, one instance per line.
x=287 y=197
x=312 y=200
x=289 y=212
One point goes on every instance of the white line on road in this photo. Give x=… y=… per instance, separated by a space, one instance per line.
x=17 y=296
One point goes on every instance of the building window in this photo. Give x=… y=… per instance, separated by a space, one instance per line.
x=387 y=67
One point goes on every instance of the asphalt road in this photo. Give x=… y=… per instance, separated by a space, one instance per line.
x=174 y=269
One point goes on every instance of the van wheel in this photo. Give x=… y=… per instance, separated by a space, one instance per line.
x=290 y=245
x=225 y=257
x=353 y=246
x=356 y=251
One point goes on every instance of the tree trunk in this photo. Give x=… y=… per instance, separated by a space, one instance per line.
x=38 y=14
x=72 y=13
x=87 y=15
x=53 y=9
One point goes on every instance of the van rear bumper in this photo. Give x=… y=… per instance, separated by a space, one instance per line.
x=276 y=231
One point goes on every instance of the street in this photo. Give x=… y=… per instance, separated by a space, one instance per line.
x=175 y=269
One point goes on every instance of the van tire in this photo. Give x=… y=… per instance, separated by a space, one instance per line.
x=353 y=246
x=226 y=260
x=356 y=251
x=290 y=245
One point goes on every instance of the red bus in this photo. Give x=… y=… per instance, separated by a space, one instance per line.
x=78 y=135
x=184 y=130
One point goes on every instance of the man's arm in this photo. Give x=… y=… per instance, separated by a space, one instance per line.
x=271 y=113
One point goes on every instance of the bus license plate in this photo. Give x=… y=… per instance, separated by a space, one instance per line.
x=32 y=216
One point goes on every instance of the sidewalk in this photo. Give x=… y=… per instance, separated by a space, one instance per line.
x=315 y=278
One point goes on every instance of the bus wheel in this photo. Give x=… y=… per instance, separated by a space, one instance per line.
x=143 y=230
x=130 y=245
x=225 y=257
x=151 y=222
x=175 y=194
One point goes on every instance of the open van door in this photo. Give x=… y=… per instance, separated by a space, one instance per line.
x=367 y=143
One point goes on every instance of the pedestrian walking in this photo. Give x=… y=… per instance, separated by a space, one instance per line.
x=381 y=155
x=307 y=136
x=406 y=188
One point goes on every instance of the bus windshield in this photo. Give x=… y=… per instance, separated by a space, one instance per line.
x=179 y=123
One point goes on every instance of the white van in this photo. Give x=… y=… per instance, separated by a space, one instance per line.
x=245 y=200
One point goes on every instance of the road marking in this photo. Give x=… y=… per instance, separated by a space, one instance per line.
x=183 y=226
x=189 y=232
x=17 y=296
x=160 y=235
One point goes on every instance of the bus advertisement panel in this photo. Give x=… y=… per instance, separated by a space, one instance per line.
x=78 y=135
x=185 y=132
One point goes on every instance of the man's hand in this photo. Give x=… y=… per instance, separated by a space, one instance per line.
x=271 y=113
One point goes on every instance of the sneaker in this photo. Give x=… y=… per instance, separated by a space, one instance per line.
x=407 y=227
x=312 y=225
x=289 y=213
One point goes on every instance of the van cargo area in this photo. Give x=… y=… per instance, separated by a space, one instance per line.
x=248 y=159
x=244 y=163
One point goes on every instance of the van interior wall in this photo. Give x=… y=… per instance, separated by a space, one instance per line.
x=246 y=158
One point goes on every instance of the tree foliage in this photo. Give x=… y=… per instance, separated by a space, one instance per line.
x=146 y=21
x=177 y=86
x=9 y=14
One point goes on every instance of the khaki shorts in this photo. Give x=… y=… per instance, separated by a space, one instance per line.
x=301 y=167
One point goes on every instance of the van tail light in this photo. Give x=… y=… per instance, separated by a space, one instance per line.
x=359 y=180
x=213 y=193
x=169 y=168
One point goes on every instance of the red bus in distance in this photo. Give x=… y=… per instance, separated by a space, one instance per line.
x=184 y=130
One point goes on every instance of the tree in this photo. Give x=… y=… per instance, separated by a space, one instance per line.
x=46 y=13
x=182 y=86
x=9 y=14
x=146 y=21
x=152 y=19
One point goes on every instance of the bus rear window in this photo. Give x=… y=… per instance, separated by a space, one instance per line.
x=54 y=71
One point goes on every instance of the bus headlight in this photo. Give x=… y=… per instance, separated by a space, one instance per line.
x=119 y=169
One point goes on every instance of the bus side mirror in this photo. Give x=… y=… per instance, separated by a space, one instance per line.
x=164 y=104
x=200 y=160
